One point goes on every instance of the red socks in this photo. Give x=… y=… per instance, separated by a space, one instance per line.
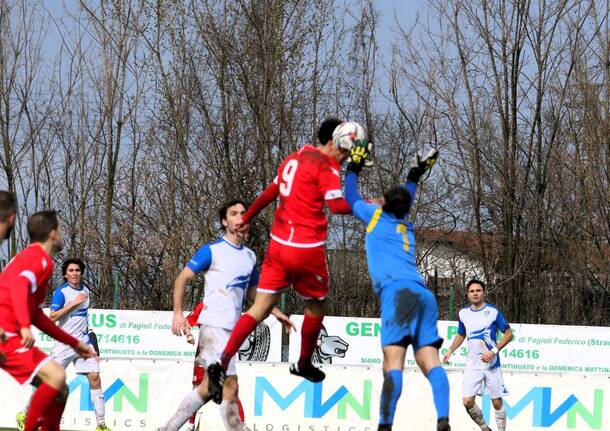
x=309 y=338
x=42 y=408
x=53 y=416
x=245 y=325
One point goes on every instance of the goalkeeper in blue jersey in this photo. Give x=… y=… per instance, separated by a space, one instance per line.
x=409 y=312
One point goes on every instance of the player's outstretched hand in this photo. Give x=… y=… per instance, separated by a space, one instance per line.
x=446 y=358
x=420 y=166
x=178 y=324
x=242 y=229
x=27 y=338
x=359 y=154
x=284 y=320
x=85 y=350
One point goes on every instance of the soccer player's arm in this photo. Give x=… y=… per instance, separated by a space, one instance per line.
x=265 y=198
x=252 y=285
x=199 y=262
x=59 y=308
x=457 y=341
x=46 y=325
x=412 y=189
x=362 y=209
x=507 y=332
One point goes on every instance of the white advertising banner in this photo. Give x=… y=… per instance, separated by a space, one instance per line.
x=142 y=394
x=133 y=334
x=535 y=348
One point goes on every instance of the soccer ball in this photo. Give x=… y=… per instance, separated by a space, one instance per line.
x=346 y=133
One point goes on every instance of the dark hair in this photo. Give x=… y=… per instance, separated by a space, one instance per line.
x=397 y=201
x=71 y=261
x=8 y=204
x=328 y=126
x=41 y=224
x=222 y=212
x=475 y=281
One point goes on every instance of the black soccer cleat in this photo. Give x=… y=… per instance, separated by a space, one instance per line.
x=310 y=373
x=384 y=427
x=216 y=380
x=443 y=425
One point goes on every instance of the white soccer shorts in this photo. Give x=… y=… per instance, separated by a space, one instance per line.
x=212 y=342
x=81 y=365
x=474 y=379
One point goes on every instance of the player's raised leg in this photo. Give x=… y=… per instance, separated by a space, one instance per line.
x=262 y=307
x=312 y=324
x=263 y=304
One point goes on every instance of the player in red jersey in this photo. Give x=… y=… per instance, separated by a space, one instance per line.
x=23 y=287
x=8 y=214
x=306 y=180
x=198 y=370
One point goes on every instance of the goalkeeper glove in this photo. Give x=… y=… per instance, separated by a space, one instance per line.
x=419 y=166
x=359 y=154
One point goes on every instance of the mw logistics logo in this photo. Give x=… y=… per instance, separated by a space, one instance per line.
x=542 y=414
x=117 y=391
x=313 y=404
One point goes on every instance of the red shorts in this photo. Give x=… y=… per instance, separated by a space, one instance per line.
x=304 y=268
x=22 y=363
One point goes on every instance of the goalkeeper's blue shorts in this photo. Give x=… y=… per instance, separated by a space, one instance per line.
x=409 y=315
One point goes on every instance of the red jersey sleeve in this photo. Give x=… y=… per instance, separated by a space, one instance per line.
x=194 y=316
x=46 y=325
x=264 y=199
x=339 y=206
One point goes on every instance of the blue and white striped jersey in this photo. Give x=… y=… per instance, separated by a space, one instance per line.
x=480 y=327
x=229 y=271
x=76 y=322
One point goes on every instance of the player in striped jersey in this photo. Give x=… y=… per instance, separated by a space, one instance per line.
x=70 y=308
x=479 y=323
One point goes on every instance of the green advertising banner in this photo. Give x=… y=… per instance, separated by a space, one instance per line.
x=535 y=348
x=147 y=334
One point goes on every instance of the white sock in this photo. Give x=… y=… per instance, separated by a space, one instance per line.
x=189 y=405
x=230 y=415
x=97 y=396
x=501 y=419
x=477 y=416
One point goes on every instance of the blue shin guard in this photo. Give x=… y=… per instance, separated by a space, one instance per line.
x=440 y=388
x=392 y=387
